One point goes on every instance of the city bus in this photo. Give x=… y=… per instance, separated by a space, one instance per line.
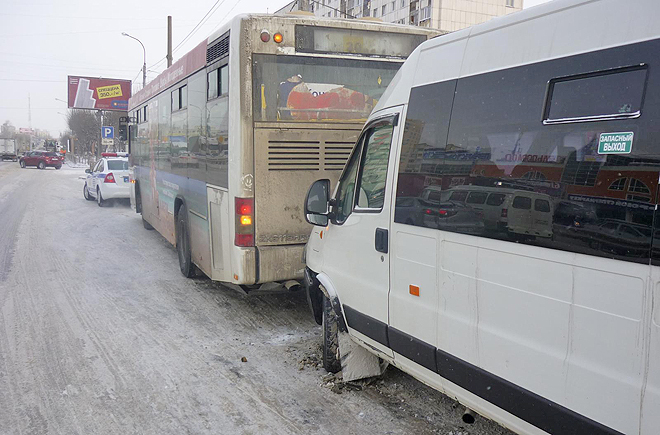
x=225 y=142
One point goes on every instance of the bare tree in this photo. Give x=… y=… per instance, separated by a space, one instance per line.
x=85 y=126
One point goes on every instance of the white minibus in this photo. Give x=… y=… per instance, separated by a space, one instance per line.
x=557 y=335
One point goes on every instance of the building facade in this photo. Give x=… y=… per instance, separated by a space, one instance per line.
x=445 y=15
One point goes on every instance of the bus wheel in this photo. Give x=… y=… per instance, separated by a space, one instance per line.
x=146 y=225
x=330 y=326
x=138 y=199
x=183 y=243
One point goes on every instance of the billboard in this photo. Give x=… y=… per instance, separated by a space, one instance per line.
x=98 y=93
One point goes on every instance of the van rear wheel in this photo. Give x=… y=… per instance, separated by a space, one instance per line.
x=330 y=325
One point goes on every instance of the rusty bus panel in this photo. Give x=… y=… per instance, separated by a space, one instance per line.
x=287 y=162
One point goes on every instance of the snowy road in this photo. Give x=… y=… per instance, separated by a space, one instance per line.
x=100 y=334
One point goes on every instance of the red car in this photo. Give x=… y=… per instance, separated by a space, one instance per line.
x=41 y=159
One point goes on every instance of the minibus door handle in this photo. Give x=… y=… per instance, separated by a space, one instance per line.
x=381 y=240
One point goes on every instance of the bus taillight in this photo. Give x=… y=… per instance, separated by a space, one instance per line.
x=244 y=222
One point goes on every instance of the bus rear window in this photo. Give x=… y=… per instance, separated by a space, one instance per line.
x=601 y=95
x=298 y=88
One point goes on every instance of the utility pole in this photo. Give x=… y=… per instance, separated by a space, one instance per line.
x=169 y=41
x=98 y=148
x=303 y=5
x=29 y=113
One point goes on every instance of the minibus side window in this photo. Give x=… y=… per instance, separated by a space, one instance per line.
x=346 y=187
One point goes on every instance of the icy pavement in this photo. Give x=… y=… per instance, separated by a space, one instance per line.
x=100 y=333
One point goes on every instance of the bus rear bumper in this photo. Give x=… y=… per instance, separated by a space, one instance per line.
x=280 y=263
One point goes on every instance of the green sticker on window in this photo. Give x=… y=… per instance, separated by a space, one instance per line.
x=615 y=143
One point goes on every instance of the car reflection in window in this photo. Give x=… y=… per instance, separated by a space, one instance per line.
x=619 y=238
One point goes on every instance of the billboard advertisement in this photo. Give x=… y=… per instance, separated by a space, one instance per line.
x=98 y=93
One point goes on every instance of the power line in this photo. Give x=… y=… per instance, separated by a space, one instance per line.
x=205 y=18
x=222 y=19
x=80 y=33
x=201 y=22
x=66 y=66
x=27 y=80
x=33 y=108
x=79 y=17
x=41 y=58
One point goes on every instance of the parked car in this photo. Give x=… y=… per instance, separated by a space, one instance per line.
x=108 y=179
x=519 y=213
x=446 y=216
x=41 y=159
x=617 y=237
x=412 y=210
x=574 y=214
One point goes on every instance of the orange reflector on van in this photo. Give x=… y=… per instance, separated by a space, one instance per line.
x=414 y=290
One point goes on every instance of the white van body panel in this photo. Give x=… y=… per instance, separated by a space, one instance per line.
x=579 y=331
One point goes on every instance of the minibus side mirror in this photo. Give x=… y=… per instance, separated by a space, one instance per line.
x=316 y=203
x=88 y=171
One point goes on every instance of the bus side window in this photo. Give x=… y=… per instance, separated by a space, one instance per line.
x=212 y=84
x=224 y=80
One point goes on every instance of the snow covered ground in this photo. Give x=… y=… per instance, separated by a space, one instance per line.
x=100 y=333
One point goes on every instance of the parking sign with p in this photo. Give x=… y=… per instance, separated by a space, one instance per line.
x=108 y=132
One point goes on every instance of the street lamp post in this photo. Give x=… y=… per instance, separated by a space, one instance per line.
x=144 y=59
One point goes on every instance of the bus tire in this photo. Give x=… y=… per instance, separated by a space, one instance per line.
x=330 y=326
x=183 y=243
x=146 y=225
x=138 y=199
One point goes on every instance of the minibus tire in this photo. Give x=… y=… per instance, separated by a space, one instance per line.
x=330 y=325
x=183 y=243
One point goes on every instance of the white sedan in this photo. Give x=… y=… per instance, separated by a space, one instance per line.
x=108 y=179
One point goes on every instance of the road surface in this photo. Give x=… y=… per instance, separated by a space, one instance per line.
x=100 y=333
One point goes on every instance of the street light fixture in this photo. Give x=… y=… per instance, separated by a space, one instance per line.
x=144 y=59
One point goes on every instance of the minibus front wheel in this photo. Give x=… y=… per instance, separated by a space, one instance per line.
x=330 y=326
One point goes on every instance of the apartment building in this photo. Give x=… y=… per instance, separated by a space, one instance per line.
x=445 y=15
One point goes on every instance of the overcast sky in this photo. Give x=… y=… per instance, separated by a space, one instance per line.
x=43 y=41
